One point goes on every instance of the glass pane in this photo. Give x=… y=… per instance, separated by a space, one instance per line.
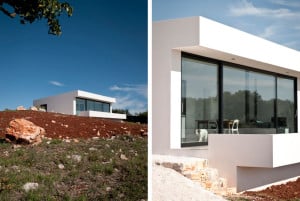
x=261 y=103
x=90 y=105
x=199 y=100
x=249 y=98
x=285 y=106
x=80 y=105
x=234 y=97
x=106 y=107
x=98 y=106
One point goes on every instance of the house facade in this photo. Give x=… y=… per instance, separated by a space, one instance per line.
x=80 y=103
x=228 y=96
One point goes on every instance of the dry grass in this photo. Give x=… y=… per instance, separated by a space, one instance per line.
x=86 y=170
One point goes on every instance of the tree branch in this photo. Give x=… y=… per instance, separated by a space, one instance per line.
x=11 y=15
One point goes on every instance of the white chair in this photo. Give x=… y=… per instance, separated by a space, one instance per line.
x=203 y=134
x=235 y=126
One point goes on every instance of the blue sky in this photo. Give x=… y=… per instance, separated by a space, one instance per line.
x=275 y=20
x=103 y=49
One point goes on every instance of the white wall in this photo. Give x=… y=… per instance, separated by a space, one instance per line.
x=219 y=37
x=166 y=83
x=256 y=154
x=102 y=115
x=63 y=103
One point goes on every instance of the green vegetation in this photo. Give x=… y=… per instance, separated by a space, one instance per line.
x=86 y=170
x=32 y=10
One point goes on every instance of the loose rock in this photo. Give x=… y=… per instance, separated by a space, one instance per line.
x=30 y=186
x=123 y=157
x=22 y=131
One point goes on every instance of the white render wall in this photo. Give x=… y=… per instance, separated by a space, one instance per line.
x=63 y=103
x=166 y=83
x=251 y=160
x=106 y=115
x=204 y=37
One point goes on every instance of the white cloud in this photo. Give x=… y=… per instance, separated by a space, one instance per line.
x=56 y=83
x=131 y=96
x=134 y=105
x=286 y=3
x=269 y=32
x=140 y=89
x=246 y=8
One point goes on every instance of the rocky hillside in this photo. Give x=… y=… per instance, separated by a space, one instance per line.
x=69 y=126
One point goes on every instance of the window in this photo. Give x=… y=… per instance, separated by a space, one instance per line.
x=285 y=106
x=250 y=98
x=44 y=107
x=216 y=95
x=91 y=105
x=80 y=105
x=199 y=112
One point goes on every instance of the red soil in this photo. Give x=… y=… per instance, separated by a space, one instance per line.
x=288 y=191
x=70 y=126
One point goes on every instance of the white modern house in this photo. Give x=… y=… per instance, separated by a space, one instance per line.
x=228 y=96
x=80 y=103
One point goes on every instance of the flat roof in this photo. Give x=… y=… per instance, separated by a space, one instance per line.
x=84 y=94
x=205 y=37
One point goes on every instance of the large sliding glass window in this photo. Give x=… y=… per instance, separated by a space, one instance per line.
x=217 y=97
x=91 y=105
x=199 y=112
x=249 y=97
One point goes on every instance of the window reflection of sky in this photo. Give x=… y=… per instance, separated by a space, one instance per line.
x=284 y=89
x=236 y=79
x=201 y=78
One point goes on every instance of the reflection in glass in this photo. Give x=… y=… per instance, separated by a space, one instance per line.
x=91 y=105
x=249 y=97
x=252 y=102
x=199 y=100
x=285 y=105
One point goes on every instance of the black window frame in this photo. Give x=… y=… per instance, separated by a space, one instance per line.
x=221 y=65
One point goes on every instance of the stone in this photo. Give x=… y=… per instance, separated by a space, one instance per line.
x=61 y=166
x=33 y=108
x=30 y=186
x=21 y=107
x=22 y=131
x=76 y=158
x=123 y=157
x=42 y=110
x=95 y=138
x=67 y=140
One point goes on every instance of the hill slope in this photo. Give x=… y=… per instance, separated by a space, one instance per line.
x=71 y=126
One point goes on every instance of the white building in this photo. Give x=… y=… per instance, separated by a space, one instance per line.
x=80 y=103
x=228 y=96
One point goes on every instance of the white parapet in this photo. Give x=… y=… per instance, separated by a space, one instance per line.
x=102 y=115
x=252 y=160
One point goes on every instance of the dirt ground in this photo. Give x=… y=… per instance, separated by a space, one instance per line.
x=70 y=126
x=288 y=191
